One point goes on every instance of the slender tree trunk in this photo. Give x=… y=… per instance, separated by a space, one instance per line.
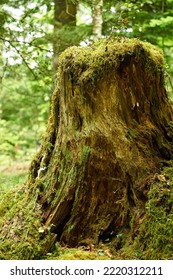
x=97 y=18
x=64 y=17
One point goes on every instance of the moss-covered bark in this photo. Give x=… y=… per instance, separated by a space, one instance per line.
x=154 y=232
x=109 y=132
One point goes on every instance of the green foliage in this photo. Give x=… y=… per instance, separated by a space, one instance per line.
x=9 y=180
x=24 y=110
x=148 y=20
x=26 y=77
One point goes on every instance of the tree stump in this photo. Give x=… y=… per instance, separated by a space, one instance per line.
x=107 y=133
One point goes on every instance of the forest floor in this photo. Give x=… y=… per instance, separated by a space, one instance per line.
x=12 y=175
x=15 y=168
x=15 y=175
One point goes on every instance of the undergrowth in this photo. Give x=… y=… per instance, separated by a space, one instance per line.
x=20 y=219
x=20 y=222
x=155 y=237
x=10 y=180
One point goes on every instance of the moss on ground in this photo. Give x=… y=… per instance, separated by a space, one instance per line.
x=151 y=233
x=150 y=236
x=21 y=234
x=60 y=253
x=155 y=235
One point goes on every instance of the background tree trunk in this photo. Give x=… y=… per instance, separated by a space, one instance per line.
x=108 y=132
x=64 y=14
x=97 y=18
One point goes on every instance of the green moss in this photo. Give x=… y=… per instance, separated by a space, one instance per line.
x=132 y=133
x=21 y=237
x=86 y=150
x=155 y=233
x=19 y=226
x=76 y=254
x=61 y=253
x=84 y=64
x=22 y=233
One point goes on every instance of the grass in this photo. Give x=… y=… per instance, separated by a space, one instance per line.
x=11 y=176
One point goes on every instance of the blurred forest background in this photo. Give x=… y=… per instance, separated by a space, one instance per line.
x=32 y=35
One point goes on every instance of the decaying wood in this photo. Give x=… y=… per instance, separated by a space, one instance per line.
x=108 y=132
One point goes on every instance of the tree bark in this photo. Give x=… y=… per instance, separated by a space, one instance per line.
x=97 y=18
x=108 y=132
x=64 y=15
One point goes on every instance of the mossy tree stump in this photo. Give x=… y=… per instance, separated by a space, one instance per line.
x=108 y=132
